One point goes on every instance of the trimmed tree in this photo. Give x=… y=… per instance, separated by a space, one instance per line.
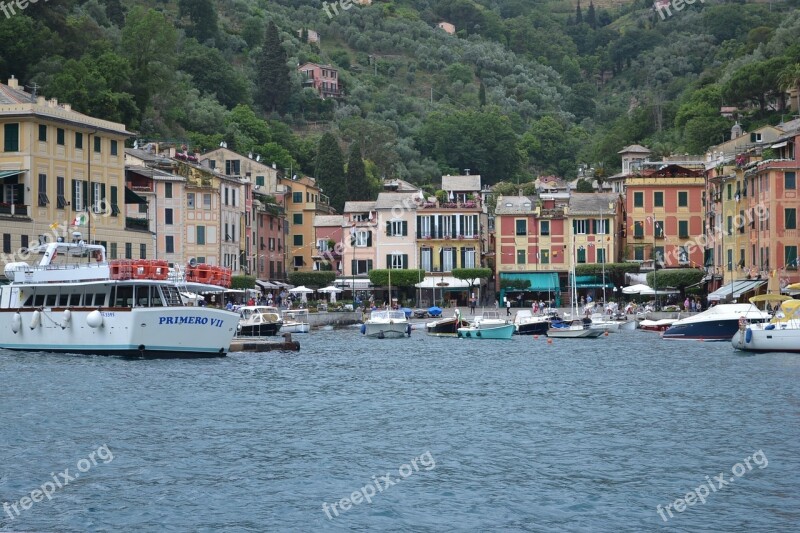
x=316 y=279
x=242 y=283
x=400 y=277
x=472 y=275
x=678 y=278
x=329 y=171
x=273 y=85
x=358 y=186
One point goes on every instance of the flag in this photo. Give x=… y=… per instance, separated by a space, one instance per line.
x=55 y=225
x=80 y=220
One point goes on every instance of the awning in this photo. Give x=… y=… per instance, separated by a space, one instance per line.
x=779 y=145
x=735 y=289
x=591 y=282
x=133 y=198
x=349 y=283
x=10 y=173
x=442 y=282
x=266 y=284
x=539 y=281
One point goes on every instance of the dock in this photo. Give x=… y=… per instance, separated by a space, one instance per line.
x=261 y=344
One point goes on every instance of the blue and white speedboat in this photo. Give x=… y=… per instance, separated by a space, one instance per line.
x=718 y=323
x=487 y=326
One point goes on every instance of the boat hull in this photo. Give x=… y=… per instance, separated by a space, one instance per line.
x=497 y=332
x=572 y=333
x=295 y=328
x=721 y=330
x=757 y=339
x=141 y=332
x=445 y=328
x=387 y=331
x=259 y=330
x=533 y=328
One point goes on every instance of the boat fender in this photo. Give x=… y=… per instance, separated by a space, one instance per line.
x=363 y=329
x=16 y=322
x=408 y=330
x=380 y=335
x=36 y=320
x=748 y=336
x=468 y=334
x=95 y=319
x=67 y=318
x=477 y=333
x=460 y=334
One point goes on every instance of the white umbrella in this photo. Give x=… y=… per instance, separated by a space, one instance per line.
x=303 y=291
x=332 y=291
x=639 y=288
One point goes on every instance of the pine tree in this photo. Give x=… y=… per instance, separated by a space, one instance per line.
x=203 y=16
x=115 y=12
x=591 y=18
x=273 y=85
x=329 y=171
x=358 y=187
x=482 y=95
x=578 y=14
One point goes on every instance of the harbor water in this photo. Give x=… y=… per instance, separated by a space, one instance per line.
x=621 y=433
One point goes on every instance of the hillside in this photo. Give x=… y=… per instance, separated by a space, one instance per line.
x=522 y=88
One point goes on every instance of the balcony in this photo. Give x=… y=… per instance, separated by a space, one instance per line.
x=469 y=204
x=14 y=210
x=448 y=237
x=137 y=224
x=141 y=187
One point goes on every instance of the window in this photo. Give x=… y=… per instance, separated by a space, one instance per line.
x=468 y=258
x=169 y=244
x=789 y=180
x=581 y=254
x=658 y=199
x=426 y=259
x=297 y=218
x=790 y=257
x=97 y=144
x=397 y=228
x=260 y=180
x=298 y=261
x=61 y=200
x=658 y=228
x=42 y=133
x=363 y=239
x=601 y=255
x=78 y=194
x=448 y=259
x=226 y=195
x=638 y=253
x=233 y=202
x=98 y=197
x=78 y=141
x=638 y=230
x=201 y=235
x=60 y=136
x=142 y=251
x=168 y=217
x=7 y=243
x=729 y=225
x=297 y=197
x=11 y=138
x=522 y=227
x=397 y=261
x=659 y=256
x=297 y=240
x=638 y=199
x=271 y=244
x=233 y=167
x=544 y=257
x=791 y=218
x=128 y=250
x=683 y=199
x=113 y=250
x=43 y=201
x=579 y=226
x=24 y=242
x=601 y=226
x=520 y=257
x=207 y=201
x=544 y=227
x=361 y=266
x=683 y=255
x=683 y=229
x=167 y=190
x=469 y=226
x=143 y=208
x=190 y=200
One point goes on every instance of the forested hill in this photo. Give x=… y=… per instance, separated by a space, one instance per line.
x=523 y=88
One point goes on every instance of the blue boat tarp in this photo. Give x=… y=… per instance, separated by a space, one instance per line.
x=435 y=311
x=407 y=311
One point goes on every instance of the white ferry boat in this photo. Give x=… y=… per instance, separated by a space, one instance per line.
x=74 y=301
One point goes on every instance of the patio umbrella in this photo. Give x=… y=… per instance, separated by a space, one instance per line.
x=639 y=288
x=303 y=291
x=331 y=291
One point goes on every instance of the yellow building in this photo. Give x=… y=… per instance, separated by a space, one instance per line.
x=62 y=172
x=304 y=200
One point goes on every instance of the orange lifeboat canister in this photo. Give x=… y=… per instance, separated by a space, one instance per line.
x=160 y=270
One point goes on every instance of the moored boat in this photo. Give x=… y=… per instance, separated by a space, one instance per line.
x=446 y=327
x=487 y=326
x=259 y=321
x=717 y=323
x=74 y=301
x=386 y=324
x=781 y=334
x=295 y=321
x=577 y=329
x=526 y=323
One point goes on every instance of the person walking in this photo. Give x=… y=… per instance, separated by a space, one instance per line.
x=508 y=307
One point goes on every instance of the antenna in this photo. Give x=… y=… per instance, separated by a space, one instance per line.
x=34 y=87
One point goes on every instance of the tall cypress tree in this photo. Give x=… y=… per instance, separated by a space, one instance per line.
x=482 y=95
x=329 y=171
x=203 y=15
x=115 y=12
x=273 y=86
x=578 y=14
x=591 y=18
x=358 y=187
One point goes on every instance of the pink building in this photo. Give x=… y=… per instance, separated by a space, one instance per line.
x=322 y=78
x=329 y=236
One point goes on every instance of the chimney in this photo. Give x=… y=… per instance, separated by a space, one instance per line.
x=736 y=131
x=67 y=107
x=13 y=82
x=40 y=100
x=52 y=103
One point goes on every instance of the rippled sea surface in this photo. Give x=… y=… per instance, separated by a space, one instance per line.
x=520 y=435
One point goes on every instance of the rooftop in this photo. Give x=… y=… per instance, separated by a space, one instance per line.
x=635 y=149
x=593 y=203
x=515 y=205
x=359 y=207
x=321 y=221
x=402 y=200
x=461 y=183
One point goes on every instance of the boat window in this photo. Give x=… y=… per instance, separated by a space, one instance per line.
x=155 y=295
x=28 y=301
x=100 y=299
x=75 y=300
x=123 y=296
x=50 y=300
x=63 y=300
x=142 y=296
x=38 y=300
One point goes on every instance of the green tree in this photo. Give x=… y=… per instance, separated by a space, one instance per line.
x=358 y=187
x=578 y=14
x=399 y=277
x=316 y=279
x=584 y=185
x=115 y=12
x=591 y=18
x=253 y=32
x=273 y=85
x=676 y=278
x=482 y=95
x=213 y=74
x=203 y=16
x=23 y=42
x=789 y=79
x=243 y=283
x=329 y=171
x=755 y=82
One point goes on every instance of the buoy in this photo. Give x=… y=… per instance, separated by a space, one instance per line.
x=748 y=335
x=605 y=334
x=36 y=320
x=549 y=341
x=363 y=329
x=67 y=317
x=16 y=322
x=95 y=319
x=536 y=337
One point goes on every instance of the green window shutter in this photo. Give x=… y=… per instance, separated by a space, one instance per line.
x=405 y=228
x=463 y=257
x=352 y=266
x=419 y=229
x=388 y=228
x=388 y=260
x=574 y=226
x=103 y=196
x=85 y=187
x=405 y=261
x=369 y=265
x=369 y=238
x=454 y=251
x=72 y=189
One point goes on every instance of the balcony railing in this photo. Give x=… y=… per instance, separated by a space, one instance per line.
x=469 y=204
x=448 y=236
x=137 y=224
x=19 y=210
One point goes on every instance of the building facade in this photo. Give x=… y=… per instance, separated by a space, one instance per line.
x=304 y=201
x=322 y=78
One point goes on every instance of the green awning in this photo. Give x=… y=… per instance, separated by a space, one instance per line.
x=591 y=282
x=10 y=173
x=540 y=281
x=133 y=198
